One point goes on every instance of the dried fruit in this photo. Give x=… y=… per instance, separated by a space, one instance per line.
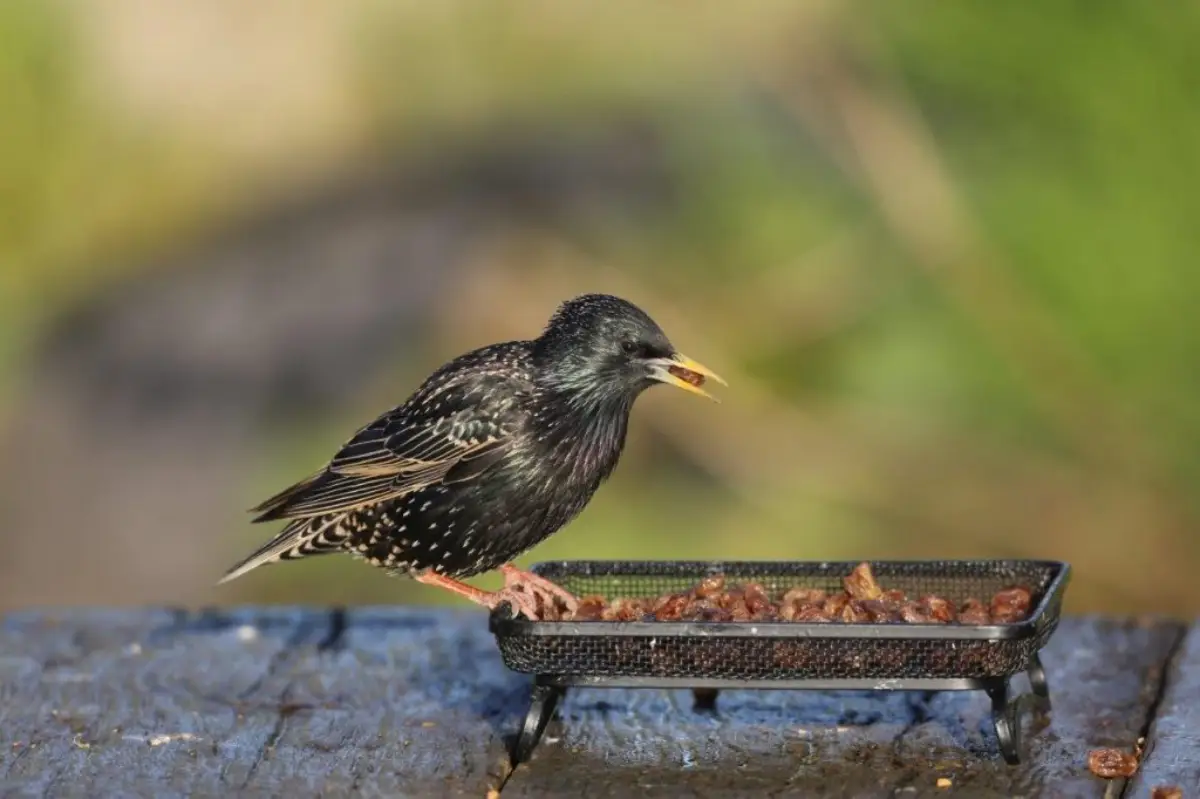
x=881 y=610
x=860 y=584
x=1112 y=764
x=834 y=605
x=938 y=609
x=670 y=607
x=973 y=612
x=1011 y=605
x=813 y=614
x=687 y=375
x=757 y=601
x=734 y=603
x=855 y=613
x=788 y=611
x=913 y=613
x=710 y=586
x=715 y=599
x=805 y=596
x=590 y=608
x=624 y=610
x=1167 y=792
x=704 y=610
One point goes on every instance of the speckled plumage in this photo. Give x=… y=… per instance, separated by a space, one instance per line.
x=497 y=450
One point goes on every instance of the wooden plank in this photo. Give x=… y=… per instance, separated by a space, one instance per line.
x=1103 y=675
x=403 y=703
x=254 y=703
x=140 y=703
x=416 y=703
x=50 y=667
x=1172 y=755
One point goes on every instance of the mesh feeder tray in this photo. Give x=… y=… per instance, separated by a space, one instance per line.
x=785 y=655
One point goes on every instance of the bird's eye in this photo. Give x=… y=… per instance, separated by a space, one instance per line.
x=629 y=347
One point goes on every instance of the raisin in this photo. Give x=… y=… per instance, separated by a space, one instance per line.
x=939 y=610
x=973 y=612
x=710 y=586
x=854 y=613
x=590 y=609
x=805 y=596
x=1011 y=605
x=1112 y=764
x=834 y=604
x=861 y=584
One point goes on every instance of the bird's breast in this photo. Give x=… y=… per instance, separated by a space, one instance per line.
x=576 y=452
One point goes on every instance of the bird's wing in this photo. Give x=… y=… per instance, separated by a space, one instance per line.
x=451 y=435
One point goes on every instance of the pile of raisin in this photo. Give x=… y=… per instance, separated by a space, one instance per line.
x=862 y=601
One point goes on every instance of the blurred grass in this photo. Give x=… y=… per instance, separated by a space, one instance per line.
x=1044 y=314
x=83 y=195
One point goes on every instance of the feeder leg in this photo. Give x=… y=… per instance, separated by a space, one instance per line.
x=541 y=708
x=704 y=700
x=1037 y=680
x=1007 y=722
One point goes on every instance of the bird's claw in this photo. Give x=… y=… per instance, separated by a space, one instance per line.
x=521 y=602
x=549 y=593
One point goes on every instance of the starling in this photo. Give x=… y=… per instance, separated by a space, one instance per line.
x=495 y=452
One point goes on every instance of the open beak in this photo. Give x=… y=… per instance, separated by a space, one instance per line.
x=682 y=372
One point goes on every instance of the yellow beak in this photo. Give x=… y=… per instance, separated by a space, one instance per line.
x=682 y=372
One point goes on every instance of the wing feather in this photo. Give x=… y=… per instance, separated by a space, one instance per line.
x=469 y=430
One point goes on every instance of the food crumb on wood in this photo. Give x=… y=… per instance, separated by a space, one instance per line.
x=1112 y=763
x=1167 y=792
x=159 y=740
x=493 y=794
x=944 y=782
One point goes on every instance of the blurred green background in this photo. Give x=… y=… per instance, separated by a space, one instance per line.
x=945 y=254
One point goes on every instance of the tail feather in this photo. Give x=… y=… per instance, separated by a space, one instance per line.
x=301 y=538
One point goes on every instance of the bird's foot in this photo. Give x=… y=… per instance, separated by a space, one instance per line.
x=522 y=602
x=549 y=593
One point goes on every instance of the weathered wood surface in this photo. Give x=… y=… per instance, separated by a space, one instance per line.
x=1173 y=743
x=394 y=702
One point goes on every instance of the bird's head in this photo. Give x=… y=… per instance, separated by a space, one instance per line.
x=598 y=347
